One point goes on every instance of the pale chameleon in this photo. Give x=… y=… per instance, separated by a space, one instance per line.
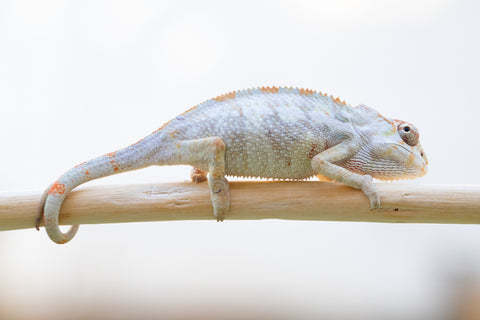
x=279 y=133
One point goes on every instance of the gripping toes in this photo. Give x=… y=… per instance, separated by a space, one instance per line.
x=220 y=196
x=197 y=175
x=371 y=192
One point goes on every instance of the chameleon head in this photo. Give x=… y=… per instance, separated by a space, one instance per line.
x=390 y=150
x=406 y=151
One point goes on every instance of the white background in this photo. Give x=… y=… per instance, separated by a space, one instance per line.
x=80 y=79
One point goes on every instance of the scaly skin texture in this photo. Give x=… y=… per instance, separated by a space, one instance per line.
x=279 y=133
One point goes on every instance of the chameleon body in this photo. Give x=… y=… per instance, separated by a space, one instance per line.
x=279 y=133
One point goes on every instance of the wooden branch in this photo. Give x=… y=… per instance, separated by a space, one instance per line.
x=306 y=200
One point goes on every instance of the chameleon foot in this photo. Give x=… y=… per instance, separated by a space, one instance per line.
x=220 y=197
x=371 y=192
x=198 y=176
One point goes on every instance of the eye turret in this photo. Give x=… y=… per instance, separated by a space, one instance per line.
x=408 y=133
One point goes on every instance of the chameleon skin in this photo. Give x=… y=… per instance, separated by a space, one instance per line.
x=279 y=133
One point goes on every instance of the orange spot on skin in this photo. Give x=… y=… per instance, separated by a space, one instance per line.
x=162 y=126
x=138 y=141
x=411 y=158
x=58 y=188
x=338 y=101
x=306 y=92
x=240 y=110
x=84 y=170
x=389 y=121
x=310 y=154
x=80 y=164
x=192 y=108
x=269 y=89
x=310 y=92
x=115 y=164
x=173 y=134
x=323 y=178
x=226 y=96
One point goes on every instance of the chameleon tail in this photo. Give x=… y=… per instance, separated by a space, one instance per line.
x=51 y=223
x=136 y=156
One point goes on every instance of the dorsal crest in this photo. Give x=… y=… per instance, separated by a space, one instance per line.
x=276 y=90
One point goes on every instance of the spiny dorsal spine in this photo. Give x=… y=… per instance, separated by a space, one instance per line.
x=301 y=91
x=265 y=90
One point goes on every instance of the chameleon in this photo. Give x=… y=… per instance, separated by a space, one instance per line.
x=268 y=132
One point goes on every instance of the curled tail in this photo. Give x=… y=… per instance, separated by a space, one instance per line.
x=134 y=157
x=57 y=192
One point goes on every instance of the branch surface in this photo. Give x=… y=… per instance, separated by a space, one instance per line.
x=304 y=200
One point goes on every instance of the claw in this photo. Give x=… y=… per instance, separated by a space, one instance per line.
x=37 y=223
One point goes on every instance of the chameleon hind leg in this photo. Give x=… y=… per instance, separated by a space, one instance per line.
x=207 y=153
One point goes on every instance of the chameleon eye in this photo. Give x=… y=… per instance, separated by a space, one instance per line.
x=408 y=133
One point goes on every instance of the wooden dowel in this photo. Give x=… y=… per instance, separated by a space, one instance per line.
x=305 y=200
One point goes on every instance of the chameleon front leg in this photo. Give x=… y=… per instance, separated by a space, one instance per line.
x=207 y=152
x=324 y=164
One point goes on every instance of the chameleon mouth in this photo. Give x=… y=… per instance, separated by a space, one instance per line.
x=409 y=174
